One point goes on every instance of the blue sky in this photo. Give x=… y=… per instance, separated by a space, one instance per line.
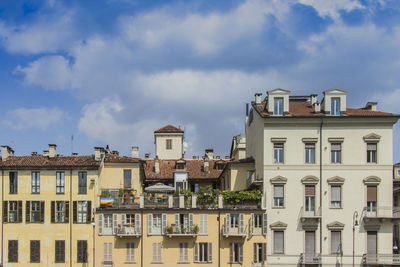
x=111 y=72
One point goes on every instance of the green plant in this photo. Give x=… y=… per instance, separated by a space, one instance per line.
x=121 y=193
x=235 y=197
x=169 y=229
x=196 y=229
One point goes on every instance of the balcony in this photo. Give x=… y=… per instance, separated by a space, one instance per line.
x=253 y=180
x=129 y=230
x=381 y=259
x=308 y=216
x=234 y=231
x=306 y=258
x=382 y=213
x=180 y=230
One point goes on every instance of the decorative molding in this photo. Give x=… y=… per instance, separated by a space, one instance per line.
x=310 y=226
x=278 y=226
x=310 y=179
x=372 y=226
x=278 y=180
x=336 y=180
x=335 y=91
x=309 y=140
x=335 y=139
x=278 y=91
x=335 y=225
x=372 y=137
x=372 y=180
x=278 y=139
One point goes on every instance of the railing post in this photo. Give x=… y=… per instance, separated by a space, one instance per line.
x=220 y=202
x=170 y=201
x=141 y=201
x=194 y=200
x=181 y=202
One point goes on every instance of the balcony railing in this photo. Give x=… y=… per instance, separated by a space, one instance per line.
x=253 y=180
x=181 y=230
x=306 y=258
x=382 y=212
x=242 y=204
x=381 y=259
x=309 y=214
x=234 y=231
x=129 y=230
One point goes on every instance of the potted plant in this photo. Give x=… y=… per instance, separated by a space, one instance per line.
x=169 y=229
x=195 y=229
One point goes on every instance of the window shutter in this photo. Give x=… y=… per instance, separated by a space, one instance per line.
x=164 y=223
x=89 y=212
x=278 y=242
x=75 y=211
x=137 y=223
x=20 y=211
x=100 y=222
x=264 y=251
x=27 y=211
x=231 y=252
x=80 y=254
x=240 y=253
x=371 y=242
x=5 y=211
x=67 y=211
x=371 y=193
x=154 y=252
x=309 y=190
x=201 y=224
x=278 y=191
x=190 y=221
x=227 y=222
x=241 y=223
x=84 y=251
x=265 y=223
x=115 y=223
x=209 y=252
x=252 y=223
x=371 y=146
x=196 y=252
x=53 y=212
x=186 y=255
x=176 y=218
x=41 y=211
x=205 y=217
x=123 y=222
x=335 y=193
x=335 y=146
x=149 y=223
x=335 y=242
x=255 y=253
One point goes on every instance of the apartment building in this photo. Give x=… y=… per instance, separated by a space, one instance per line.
x=326 y=170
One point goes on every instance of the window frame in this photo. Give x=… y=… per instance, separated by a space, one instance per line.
x=274 y=198
x=283 y=242
x=82 y=251
x=370 y=153
x=340 y=194
x=82 y=183
x=203 y=252
x=168 y=144
x=60 y=182
x=183 y=252
x=13 y=251
x=335 y=106
x=125 y=172
x=278 y=106
x=308 y=158
x=81 y=211
x=35 y=182
x=340 y=242
x=278 y=152
x=37 y=205
x=59 y=251
x=34 y=254
x=335 y=153
x=130 y=252
x=13 y=182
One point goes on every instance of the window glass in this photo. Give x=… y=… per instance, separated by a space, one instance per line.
x=335 y=106
x=278 y=152
x=60 y=181
x=278 y=196
x=82 y=186
x=310 y=152
x=278 y=106
x=371 y=152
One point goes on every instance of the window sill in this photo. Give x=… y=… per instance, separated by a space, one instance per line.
x=60 y=193
x=156 y=262
x=334 y=208
x=184 y=262
x=278 y=207
x=130 y=262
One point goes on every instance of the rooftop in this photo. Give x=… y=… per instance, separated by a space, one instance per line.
x=169 y=129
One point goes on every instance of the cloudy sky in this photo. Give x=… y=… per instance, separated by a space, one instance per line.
x=111 y=72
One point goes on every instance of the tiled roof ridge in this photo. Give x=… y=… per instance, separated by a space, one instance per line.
x=169 y=129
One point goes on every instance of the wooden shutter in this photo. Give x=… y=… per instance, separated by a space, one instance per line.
x=12 y=250
x=159 y=252
x=252 y=223
x=196 y=252
x=265 y=223
x=89 y=211
x=176 y=219
x=5 y=211
x=27 y=211
x=163 y=223
x=53 y=211
x=41 y=211
x=371 y=193
x=310 y=242
x=115 y=223
x=186 y=253
x=191 y=221
x=75 y=212
x=154 y=252
x=209 y=252
x=205 y=217
x=80 y=251
x=335 y=242
x=278 y=242
x=309 y=190
x=231 y=251
x=19 y=211
x=255 y=253
x=137 y=224
x=66 y=211
x=264 y=251
x=335 y=193
x=35 y=251
x=227 y=222
x=100 y=222
x=240 y=252
x=123 y=222
x=278 y=191
x=241 y=223
x=60 y=251
x=149 y=223
x=371 y=243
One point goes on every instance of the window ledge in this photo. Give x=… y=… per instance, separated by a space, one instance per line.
x=278 y=208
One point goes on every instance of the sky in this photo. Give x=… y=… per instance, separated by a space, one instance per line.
x=81 y=74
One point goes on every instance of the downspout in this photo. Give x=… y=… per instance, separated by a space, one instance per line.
x=320 y=185
x=141 y=231
x=71 y=218
x=2 y=223
x=219 y=238
x=94 y=224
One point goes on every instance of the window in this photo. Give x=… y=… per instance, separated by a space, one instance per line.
x=180 y=166
x=157 y=253
x=260 y=252
x=258 y=224
x=127 y=178
x=12 y=250
x=183 y=252
x=203 y=224
x=59 y=211
x=371 y=152
x=35 y=182
x=108 y=224
x=60 y=251
x=372 y=244
x=336 y=151
x=336 y=196
x=371 y=200
x=236 y=253
x=14 y=211
x=220 y=166
x=168 y=144
x=203 y=252
x=336 y=242
x=82 y=251
x=60 y=181
x=258 y=220
x=194 y=187
x=35 y=251
x=309 y=193
x=34 y=211
x=310 y=243
x=130 y=252
x=156 y=223
x=13 y=182
x=278 y=242
x=108 y=254
x=310 y=152
x=278 y=152
x=278 y=106
x=234 y=221
x=335 y=106
x=278 y=196
x=82 y=177
x=83 y=211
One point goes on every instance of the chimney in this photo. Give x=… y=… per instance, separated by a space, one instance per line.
x=74 y=154
x=317 y=107
x=52 y=150
x=97 y=153
x=6 y=151
x=258 y=98
x=34 y=153
x=218 y=157
x=45 y=153
x=135 y=152
x=209 y=153
x=314 y=99
x=227 y=157
x=156 y=165
x=371 y=106
x=115 y=152
x=206 y=165
x=147 y=155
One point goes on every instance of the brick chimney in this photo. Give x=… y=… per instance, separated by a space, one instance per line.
x=6 y=151
x=206 y=164
x=135 y=152
x=371 y=106
x=97 y=152
x=257 y=98
x=156 y=165
x=52 y=150
x=209 y=153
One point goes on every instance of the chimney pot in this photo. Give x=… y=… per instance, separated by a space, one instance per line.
x=227 y=157
x=156 y=165
x=34 y=153
x=97 y=153
x=317 y=107
x=45 y=153
x=313 y=99
x=371 y=106
x=147 y=155
x=74 y=154
x=135 y=152
x=257 y=97
x=209 y=153
x=52 y=150
x=6 y=151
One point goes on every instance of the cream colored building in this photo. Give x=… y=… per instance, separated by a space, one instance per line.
x=325 y=167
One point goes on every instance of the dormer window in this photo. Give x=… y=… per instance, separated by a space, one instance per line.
x=180 y=164
x=278 y=106
x=335 y=106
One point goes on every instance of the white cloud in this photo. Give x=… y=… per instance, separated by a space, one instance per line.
x=332 y=8
x=30 y=118
x=388 y=101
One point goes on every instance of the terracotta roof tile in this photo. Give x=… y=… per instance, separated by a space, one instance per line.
x=110 y=158
x=169 y=129
x=44 y=162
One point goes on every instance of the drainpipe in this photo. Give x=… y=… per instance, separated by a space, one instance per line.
x=71 y=218
x=141 y=231
x=219 y=238
x=320 y=186
x=2 y=223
